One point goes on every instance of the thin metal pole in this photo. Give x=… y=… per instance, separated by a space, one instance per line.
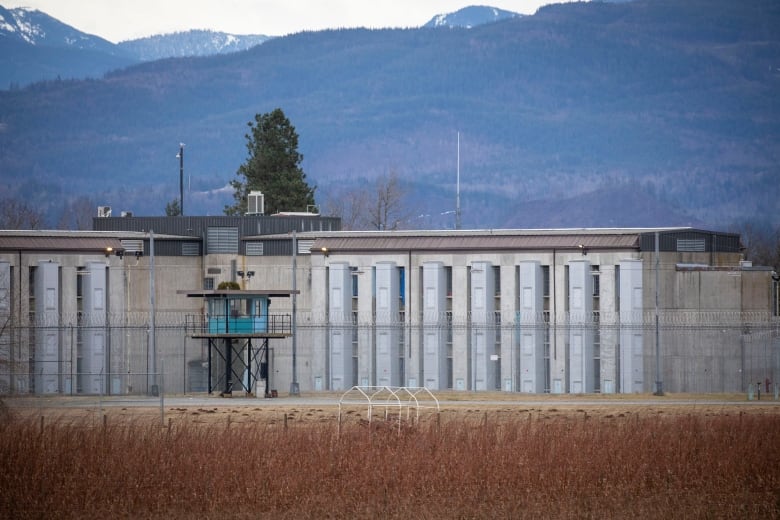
x=294 y=387
x=162 y=392
x=152 y=331
x=181 y=179
x=228 y=366
x=457 y=190
x=659 y=385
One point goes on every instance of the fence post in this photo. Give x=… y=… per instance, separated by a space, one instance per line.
x=162 y=392
x=100 y=394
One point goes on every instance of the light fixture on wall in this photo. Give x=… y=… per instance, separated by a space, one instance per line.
x=583 y=249
x=248 y=274
x=119 y=252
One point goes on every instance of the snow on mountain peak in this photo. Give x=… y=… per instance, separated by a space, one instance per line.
x=471 y=16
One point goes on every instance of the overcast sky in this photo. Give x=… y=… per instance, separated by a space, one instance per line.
x=117 y=20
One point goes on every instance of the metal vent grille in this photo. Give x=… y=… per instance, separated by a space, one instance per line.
x=190 y=249
x=222 y=240
x=131 y=246
x=690 y=245
x=304 y=247
x=254 y=249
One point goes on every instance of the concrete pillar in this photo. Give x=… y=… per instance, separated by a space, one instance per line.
x=631 y=327
x=581 y=369
x=387 y=325
x=531 y=327
x=319 y=356
x=483 y=331
x=366 y=352
x=608 y=330
x=47 y=333
x=559 y=330
x=434 y=328
x=510 y=363
x=93 y=328
x=413 y=356
x=462 y=368
x=340 y=326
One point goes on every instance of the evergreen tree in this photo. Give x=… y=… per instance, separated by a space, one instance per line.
x=273 y=167
x=173 y=208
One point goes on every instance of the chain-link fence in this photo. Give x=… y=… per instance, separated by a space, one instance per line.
x=705 y=357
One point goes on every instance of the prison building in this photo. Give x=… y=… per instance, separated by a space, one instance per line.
x=534 y=311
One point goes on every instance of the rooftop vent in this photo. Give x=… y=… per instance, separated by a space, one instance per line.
x=255 y=203
x=104 y=211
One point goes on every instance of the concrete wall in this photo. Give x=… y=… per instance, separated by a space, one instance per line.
x=613 y=331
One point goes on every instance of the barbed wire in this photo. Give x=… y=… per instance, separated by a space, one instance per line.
x=180 y=318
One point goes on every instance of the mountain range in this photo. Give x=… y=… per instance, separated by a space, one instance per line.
x=39 y=47
x=653 y=112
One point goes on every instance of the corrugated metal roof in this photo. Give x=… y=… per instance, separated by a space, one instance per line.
x=196 y=226
x=477 y=242
x=59 y=243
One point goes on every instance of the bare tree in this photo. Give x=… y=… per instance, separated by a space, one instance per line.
x=382 y=208
x=15 y=214
x=77 y=214
x=350 y=206
x=762 y=244
x=386 y=212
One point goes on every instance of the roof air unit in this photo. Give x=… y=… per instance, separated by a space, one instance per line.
x=255 y=203
x=104 y=211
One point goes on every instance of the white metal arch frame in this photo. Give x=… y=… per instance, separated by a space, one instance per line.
x=389 y=398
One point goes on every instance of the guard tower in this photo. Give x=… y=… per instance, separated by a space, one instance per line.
x=238 y=327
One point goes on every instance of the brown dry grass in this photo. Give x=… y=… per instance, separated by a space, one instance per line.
x=470 y=462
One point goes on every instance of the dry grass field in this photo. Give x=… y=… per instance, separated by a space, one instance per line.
x=539 y=458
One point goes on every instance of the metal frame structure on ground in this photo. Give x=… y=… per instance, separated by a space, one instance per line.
x=388 y=398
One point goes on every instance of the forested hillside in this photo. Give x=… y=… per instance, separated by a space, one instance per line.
x=578 y=106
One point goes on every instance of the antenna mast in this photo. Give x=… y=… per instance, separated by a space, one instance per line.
x=457 y=190
x=180 y=156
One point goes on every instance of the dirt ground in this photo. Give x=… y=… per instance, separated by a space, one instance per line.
x=324 y=408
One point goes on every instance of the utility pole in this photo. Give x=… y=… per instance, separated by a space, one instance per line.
x=180 y=155
x=457 y=190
